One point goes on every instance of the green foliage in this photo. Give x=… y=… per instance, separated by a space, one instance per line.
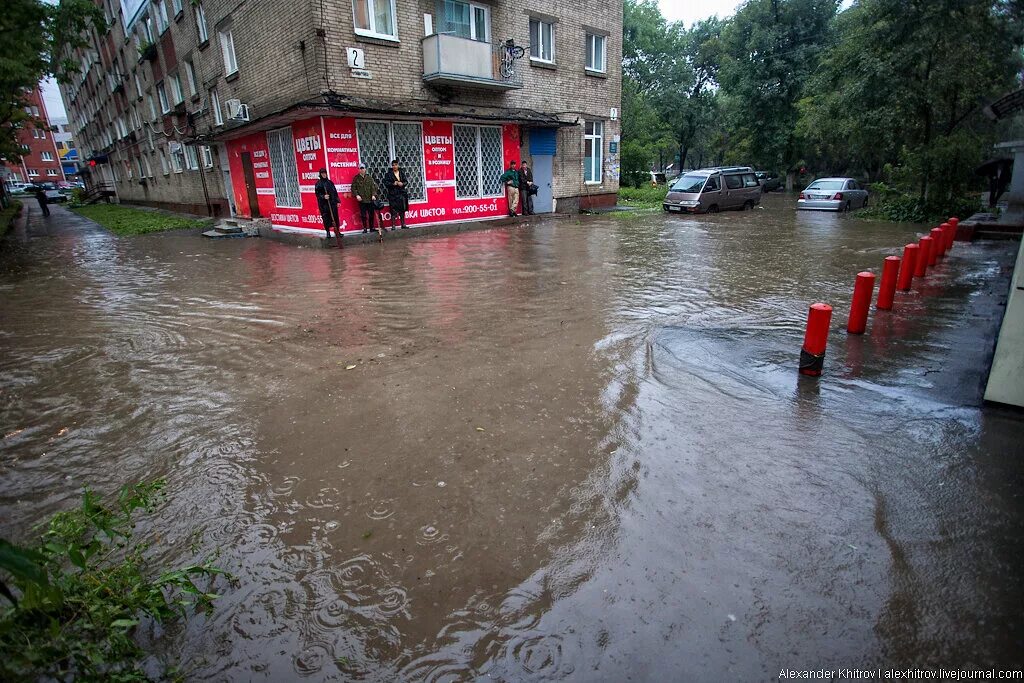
x=8 y=215
x=76 y=597
x=125 y=220
x=646 y=196
x=892 y=204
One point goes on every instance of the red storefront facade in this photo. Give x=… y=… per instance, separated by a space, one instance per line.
x=453 y=168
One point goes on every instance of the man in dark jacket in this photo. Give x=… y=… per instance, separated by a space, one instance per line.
x=43 y=200
x=365 y=191
x=526 y=187
x=327 y=202
x=398 y=196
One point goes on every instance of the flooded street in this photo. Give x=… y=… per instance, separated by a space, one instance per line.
x=577 y=450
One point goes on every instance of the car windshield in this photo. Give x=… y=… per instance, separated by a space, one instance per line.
x=826 y=185
x=689 y=183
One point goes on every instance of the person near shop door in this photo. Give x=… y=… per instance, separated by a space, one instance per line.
x=365 y=191
x=526 y=188
x=510 y=179
x=395 y=183
x=327 y=202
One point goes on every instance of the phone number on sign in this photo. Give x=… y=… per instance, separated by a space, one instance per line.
x=475 y=208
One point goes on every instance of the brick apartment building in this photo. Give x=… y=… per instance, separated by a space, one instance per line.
x=242 y=103
x=42 y=162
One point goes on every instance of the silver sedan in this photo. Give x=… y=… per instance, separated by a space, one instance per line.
x=833 y=194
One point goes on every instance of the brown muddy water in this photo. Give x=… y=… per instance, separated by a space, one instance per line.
x=573 y=451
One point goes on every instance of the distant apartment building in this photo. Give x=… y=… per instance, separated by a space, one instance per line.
x=41 y=162
x=65 y=144
x=237 y=105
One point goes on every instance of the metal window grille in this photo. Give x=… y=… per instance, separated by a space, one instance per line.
x=373 y=148
x=492 y=163
x=283 y=169
x=479 y=161
x=380 y=142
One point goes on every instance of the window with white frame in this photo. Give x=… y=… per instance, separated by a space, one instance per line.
x=142 y=170
x=163 y=163
x=218 y=117
x=161 y=92
x=542 y=41
x=466 y=20
x=375 y=18
x=160 y=10
x=593 y=151
x=42 y=135
x=176 y=92
x=190 y=76
x=152 y=108
x=596 y=49
x=203 y=32
x=32 y=173
x=381 y=141
x=176 y=4
x=191 y=158
x=177 y=157
x=479 y=161
x=51 y=171
x=138 y=85
x=46 y=156
x=283 y=168
x=227 y=48
x=207 y=152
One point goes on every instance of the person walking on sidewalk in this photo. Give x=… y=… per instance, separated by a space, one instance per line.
x=395 y=183
x=365 y=191
x=510 y=179
x=43 y=201
x=327 y=202
x=526 y=187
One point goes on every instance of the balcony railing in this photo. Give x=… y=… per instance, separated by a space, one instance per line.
x=456 y=61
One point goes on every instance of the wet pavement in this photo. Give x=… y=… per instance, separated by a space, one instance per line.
x=577 y=450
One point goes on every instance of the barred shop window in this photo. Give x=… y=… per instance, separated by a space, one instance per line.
x=375 y=18
x=283 y=169
x=479 y=161
x=593 y=150
x=380 y=142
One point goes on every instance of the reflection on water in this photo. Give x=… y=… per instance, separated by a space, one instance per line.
x=577 y=451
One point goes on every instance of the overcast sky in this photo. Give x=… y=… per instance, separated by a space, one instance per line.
x=691 y=10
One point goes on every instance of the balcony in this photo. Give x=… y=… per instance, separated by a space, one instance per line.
x=454 y=61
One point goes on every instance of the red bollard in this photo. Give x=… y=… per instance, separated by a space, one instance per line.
x=925 y=246
x=954 y=222
x=862 y=291
x=812 y=355
x=938 y=244
x=933 y=248
x=910 y=252
x=887 y=288
x=944 y=238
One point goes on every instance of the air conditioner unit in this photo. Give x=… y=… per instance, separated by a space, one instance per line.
x=237 y=111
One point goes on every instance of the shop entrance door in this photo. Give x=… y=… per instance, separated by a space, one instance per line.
x=542 y=154
x=250 y=185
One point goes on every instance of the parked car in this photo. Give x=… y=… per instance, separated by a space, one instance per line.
x=711 y=190
x=833 y=194
x=769 y=181
x=18 y=188
x=53 y=193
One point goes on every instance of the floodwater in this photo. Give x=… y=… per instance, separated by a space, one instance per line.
x=577 y=450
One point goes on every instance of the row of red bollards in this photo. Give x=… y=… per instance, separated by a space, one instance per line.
x=897 y=273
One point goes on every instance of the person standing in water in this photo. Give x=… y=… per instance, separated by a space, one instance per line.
x=327 y=201
x=398 y=196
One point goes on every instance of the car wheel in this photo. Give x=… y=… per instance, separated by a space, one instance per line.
x=748 y=205
x=713 y=208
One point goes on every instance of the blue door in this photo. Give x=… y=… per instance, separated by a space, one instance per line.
x=542 y=153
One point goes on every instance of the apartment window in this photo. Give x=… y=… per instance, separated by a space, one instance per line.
x=596 y=48
x=152 y=108
x=51 y=171
x=160 y=10
x=149 y=166
x=207 y=152
x=191 y=158
x=466 y=19
x=375 y=18
x=142 y=171
x=176 y=5
x=177 y=157
x=593 y=150
x=179 y=97
x=479 y=161
x=201 y=22
x=46 y=156
x=161 y=92
x=380 y=142
x=32 y=173
x=163 y=163
x=138 y=85
x=190 y=75
x=35 y=111
x=35 y=133
x=218 y=117
x=227 y=48
x=283 y=168
x=42 y=135
x=542 y=41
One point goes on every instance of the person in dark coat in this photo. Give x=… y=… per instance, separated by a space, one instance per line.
x=327 y=201
x=526 y=187
x=43 y=200
x=395 y=184
x=365 y=190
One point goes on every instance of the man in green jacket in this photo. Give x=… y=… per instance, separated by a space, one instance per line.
x=510 y=179
x=365 y=192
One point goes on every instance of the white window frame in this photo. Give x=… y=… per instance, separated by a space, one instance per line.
x=207 y=152
x=177 y=159
x=190 y=75
x=51 y=172
x=177 y=7
x=201 y=28
x=227 y=50
x=372 y=31
x=597 y=160
x=138 y=84
x=176 y=91
x=164 y=165
x=480 y=163
x=152 y=107
x=162 y=24
x=33 y=173
x=288 y=151
x=42 y=134
x=541 y=45
x=191 y=158
x=46 y=156
x=161 y=92
x=592 y=52
x=218 y=116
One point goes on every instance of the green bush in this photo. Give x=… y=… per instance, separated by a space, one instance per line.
x=8 y=215
x=646 y=196
x=76 y=596
x=127 y=220
x=892 y=204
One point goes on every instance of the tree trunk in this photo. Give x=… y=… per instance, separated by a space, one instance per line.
x=790 y=180
x=684 y=150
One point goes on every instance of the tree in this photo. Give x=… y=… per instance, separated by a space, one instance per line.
x=35 y=39
x=769 y=49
